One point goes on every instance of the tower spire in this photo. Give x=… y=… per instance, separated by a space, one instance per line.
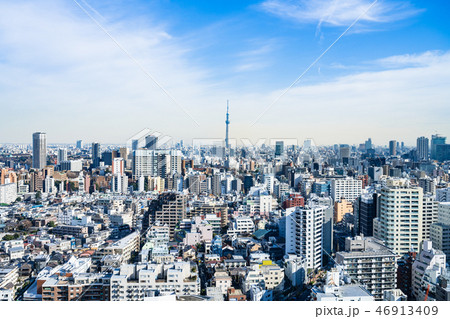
x=227 y=122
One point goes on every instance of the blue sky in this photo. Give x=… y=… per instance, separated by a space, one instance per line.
x=386 y=78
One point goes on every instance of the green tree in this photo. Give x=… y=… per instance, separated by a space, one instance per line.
x=51 y=224
x=10 y=237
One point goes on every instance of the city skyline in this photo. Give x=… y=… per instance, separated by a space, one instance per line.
x=169 y=141
x=386 y=78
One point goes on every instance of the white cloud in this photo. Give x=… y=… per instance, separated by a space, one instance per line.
x=401 y=103
x=339 y=12
x=413 y=60
x=257 y=57
x=62 y=74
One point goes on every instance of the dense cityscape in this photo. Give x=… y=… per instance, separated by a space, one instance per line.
x=169 y=221
x=289 y=151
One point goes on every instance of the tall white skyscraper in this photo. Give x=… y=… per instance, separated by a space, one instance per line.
x=422 y=150
x=429 y=215
x=118 y=166
x=145 y=163
x=304 y=233
x=119 y=182
x=39 y=150
x=400 y=220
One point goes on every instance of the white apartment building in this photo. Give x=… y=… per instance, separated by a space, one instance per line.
x=304 y=233
x=426 y=269
x=443 y=194
x=242 y=225
x=400 y=220
x=8 y=276
x=257 y=293
x=335 y=289
x=296 y=269
x=119 y=184
x=123 y=247
x=135 y=282
x=65 y=217
x=49 y=185
x=267 y=275
x=145 y=163
x=269 y=182
x=367 y=260
x=440 y=231
x=348 y=188
x=265 y=203
x=222 y=281
x=259 y=204
x=429 y=215
x=118 y=166
x=119 y=219
x=8 y=193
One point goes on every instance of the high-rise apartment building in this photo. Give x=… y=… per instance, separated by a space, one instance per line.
x=440 y=230
x=369 y=262
x=443 y=152
x=422 y=149
x=119 y=181
x=96 y=155
x=151 y=142
x=39 y=150
x=443 y=194
x=344 y=152
x=304 y=233
x=365 y=210
x=216 y=185
x=279 y=148
x=145 y=163
x=348 y=188
x=118 y=166
x=393 y=148
x=427 y=267
x=168 y=209
x=428 y=185
x=62 y=155
x=368 y=144
x=435 y=141
x=375 y=173
x=341 y=208
x=400 y=220
x=429 y=215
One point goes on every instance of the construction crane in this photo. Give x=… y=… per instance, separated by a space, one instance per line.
x=426 y=294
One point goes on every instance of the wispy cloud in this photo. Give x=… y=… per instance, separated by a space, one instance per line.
x=413 y=60
x=403 y=102
x=56 y=63
x=256 y=57
x=339 y=12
